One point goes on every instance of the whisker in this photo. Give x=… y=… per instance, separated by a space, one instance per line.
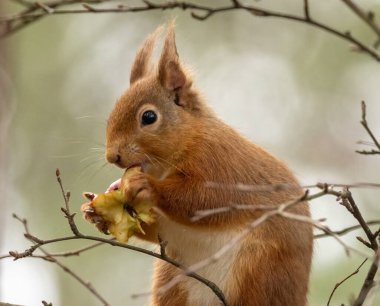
x=170 y=164
x=151 y=160
x=87 y=170
x=84 y=117
x=157 y=158
x=98 y=119
x=95 y=158
x=64 y=156
x=97 y=149
x=98 y=169
x=74 y=141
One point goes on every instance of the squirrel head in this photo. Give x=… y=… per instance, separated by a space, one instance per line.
x=153 y=122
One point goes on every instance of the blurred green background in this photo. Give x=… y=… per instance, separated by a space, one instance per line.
x=289 y=87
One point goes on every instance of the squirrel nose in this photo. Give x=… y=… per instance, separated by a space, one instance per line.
x=113 y=157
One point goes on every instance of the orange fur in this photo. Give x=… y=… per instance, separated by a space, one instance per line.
x=176 y=296
x=183 y=150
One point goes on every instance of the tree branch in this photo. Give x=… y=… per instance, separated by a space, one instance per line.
x=366 y=127
x=344 y=196
x=281 y=210
x=35 y=12
x=306 y=9
x=367 y=17
x=77 y=235
x=369 y=282
x=347 y=229
x=51 y=258
x=358 y=216
x=346 y=278
x=66 y=209
x=29 y=252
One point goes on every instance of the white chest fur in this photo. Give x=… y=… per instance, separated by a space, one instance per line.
x=191 y=246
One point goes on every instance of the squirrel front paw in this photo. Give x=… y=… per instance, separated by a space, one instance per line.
x=138 y=189
x=91 y=215
x=124 y=208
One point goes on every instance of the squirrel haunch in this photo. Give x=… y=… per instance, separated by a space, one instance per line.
x=192 y=161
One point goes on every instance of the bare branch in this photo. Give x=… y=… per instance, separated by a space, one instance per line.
x=280 y=211
x=327 y=189
x=29 y=252
x=366 y=127
x=79 y=236
x=285 y=186
x=366 y=17
x=45 y=7
x=84 y=283
x=347 y=229
x=348 y=201
x=50 y=258
x=64 y=254
x=358 y=216
x=306 y=9
x=346 y=278
x=191 y=271
x=66 y=209
x=35 y=12
x=369 y=282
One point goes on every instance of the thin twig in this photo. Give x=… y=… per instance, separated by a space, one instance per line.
x=347 y=229
x=346 y=278
x=327 y=189
x=49 y=257
x=66 y=209
x=85 y=284
x=365 y=16
x=287 y=186
x=77 y=252
x=366 y=127
x=45 y=7
x=25 y=17
x=31 y=256
x=358 y=216
x=306 y=9
x=369 y=282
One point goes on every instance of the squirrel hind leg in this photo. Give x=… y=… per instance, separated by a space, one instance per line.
x=268 y=275
x=176 y=296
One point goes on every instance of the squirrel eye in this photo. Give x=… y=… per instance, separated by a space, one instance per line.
x=148 y=117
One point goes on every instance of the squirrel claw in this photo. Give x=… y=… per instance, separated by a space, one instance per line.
x=89 y=210
x=89 y=195
x=97 y=219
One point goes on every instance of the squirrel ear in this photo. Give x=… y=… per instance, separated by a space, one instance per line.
x=142 y=65
x=170 y=73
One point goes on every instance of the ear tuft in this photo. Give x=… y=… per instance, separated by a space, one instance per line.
x=170 y=73
x=142 y=64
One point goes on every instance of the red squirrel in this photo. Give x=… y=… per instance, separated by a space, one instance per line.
x=163 y=124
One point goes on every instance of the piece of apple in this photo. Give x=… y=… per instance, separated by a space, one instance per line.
x=111 y=214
